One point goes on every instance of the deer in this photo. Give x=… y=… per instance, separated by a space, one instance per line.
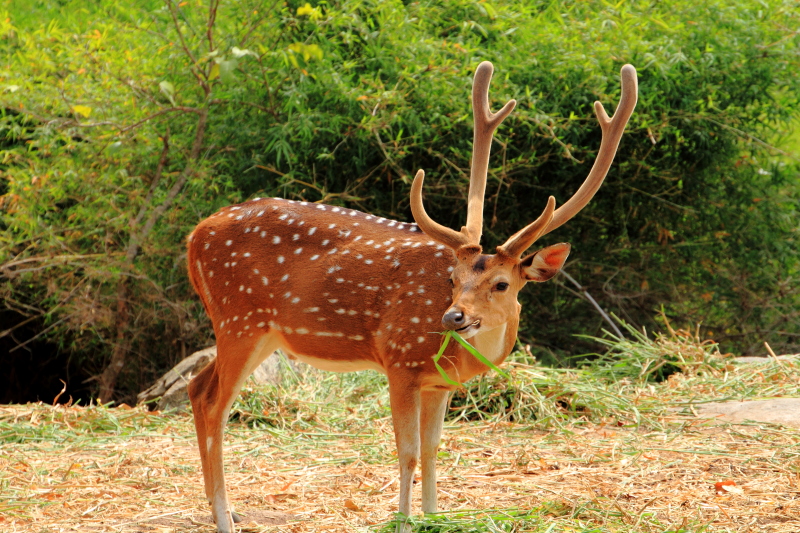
x=344 y=290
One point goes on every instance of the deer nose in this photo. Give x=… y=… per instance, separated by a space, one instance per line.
x=453 y=319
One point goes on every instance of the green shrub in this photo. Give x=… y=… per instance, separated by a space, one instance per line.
x=121 y=127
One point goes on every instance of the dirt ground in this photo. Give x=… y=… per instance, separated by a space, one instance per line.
x=149 y=480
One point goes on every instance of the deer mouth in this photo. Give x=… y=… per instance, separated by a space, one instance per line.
x=470 y=329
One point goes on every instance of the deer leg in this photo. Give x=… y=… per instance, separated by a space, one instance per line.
x=404 y=396
x=212 y=393
x=434 y=403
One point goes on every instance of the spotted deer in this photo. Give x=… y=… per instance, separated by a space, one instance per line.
x=344 y=291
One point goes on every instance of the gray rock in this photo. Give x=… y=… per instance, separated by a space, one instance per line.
x=766 y=358
x=170 y=391
x=785 y=411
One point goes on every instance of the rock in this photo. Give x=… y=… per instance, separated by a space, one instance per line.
x=170 y=391
x=785 y=411
x=765 y=359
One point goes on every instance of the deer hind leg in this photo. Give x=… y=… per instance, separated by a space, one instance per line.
x=212 y=393
x=434 y=403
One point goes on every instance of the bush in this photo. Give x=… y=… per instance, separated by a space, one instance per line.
x=123 y=126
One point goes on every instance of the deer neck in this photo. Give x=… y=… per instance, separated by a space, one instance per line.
x=492 y=344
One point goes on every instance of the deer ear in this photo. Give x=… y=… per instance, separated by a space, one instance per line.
x=544 y=264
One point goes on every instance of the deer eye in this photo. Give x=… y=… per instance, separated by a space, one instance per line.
x=450 y=281
x=501 y=286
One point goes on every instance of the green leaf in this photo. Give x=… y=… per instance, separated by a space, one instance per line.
x=168 y=90
x=471 y=349
x=308 y=51
x=436 y=358
x=478 y=355
x=227 y=69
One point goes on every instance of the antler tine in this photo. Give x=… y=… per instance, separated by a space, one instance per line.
x=524 y=238
x=432 y=229
x=485 y=123
x=612 y=129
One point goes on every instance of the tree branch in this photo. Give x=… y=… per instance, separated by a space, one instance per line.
x=592 y=301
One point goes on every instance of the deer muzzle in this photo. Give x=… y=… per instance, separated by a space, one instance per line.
x=456 y=320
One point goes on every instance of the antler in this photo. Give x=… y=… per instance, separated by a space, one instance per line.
x=522 y=240
x=612 y=129
x=485 y=123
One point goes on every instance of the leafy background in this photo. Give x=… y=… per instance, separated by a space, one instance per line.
x=122 y=126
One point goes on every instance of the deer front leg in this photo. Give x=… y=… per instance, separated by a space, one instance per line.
x=404 y=396
x=434 y=403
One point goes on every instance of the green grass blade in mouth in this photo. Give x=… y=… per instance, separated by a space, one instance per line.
x=470 y=348
x=438 y=355
x=478 y=355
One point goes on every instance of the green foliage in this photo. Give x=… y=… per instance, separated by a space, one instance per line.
x=82 y=425
x=122 y=125
x=623 y=387
x=495 y=521
x=619 y=388
x=294 y=403
x=641 y=360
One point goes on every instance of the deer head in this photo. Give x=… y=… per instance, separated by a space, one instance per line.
x=485 y=287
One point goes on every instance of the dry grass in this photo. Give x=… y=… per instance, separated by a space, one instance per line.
x=318 y=465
